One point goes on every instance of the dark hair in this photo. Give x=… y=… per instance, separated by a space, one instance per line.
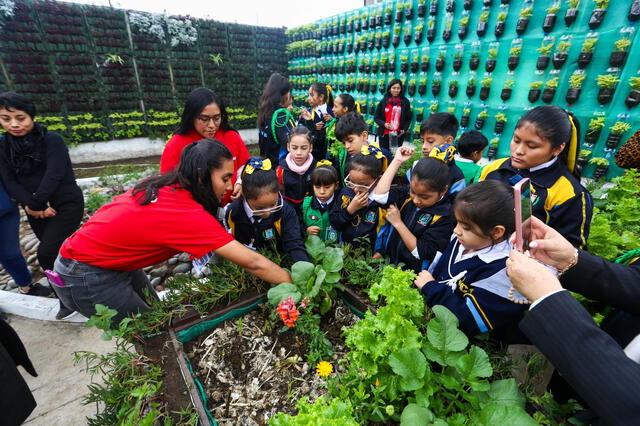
x=277 y=86
x=350 y=124
x=254 y=184
x=197 y=161
x=324 y=175
x=552 y=123
x=470 y=142
x=440 y=123
x=486 y=205
x=323 y=89
x=16 y=101
x=198 y=100
x=370 y=165
x=348 y=102
x=433 y=172
x=301 y=131
x=392 y=83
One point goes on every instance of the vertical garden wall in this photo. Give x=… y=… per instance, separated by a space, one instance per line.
x=99 y=73
x=487 y=62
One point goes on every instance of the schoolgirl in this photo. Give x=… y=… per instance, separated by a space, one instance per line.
x=316 y=208
x=275 y=120
x=321 y=102
x=294 y=171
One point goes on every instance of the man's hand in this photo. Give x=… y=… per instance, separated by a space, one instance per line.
x=532 y=279
x=320 y=125
x=548 y=246
x=49 y=212
x=38 y=214
x=376 y=256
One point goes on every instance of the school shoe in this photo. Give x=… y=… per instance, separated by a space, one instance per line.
x=64 y=313
x=38 y=290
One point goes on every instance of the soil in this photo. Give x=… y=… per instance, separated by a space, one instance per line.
x=251 y=370
x=85 y=170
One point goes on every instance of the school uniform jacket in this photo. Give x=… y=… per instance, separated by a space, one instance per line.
x=274 y=135
x=558 y=198
x=319 y=136
x=431 y=226
x=294 y=187
x=457 y=181
x=340 y=163
x=313 y=214
x=366 y=222
x=282 y=227
x=474 y=288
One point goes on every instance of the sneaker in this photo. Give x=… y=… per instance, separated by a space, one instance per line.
x=38 y=290
x=64 y=313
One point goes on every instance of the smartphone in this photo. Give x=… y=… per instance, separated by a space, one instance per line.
x=54 y=278
x=522 y=201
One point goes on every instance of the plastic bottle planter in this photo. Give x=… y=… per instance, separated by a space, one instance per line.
x=435 y=87
x=453 y=89
x=513 y=61
x=431 y=34
x=398 y=15
x=440 y=63
x=543 y=62
x=490 y=65
x=396 y=40
x=481 y=29
x=548 y=94
x=534 y=95
x=499 y=30
x=559 y=58
x=457 y=63
x=404 y=66
x=485 y=91
x=633 y=98
x=433 y=8
x=350 y=26
x=474 y=62
x=411 y=88
x=378 y=43
x=386 y=40
x=600 y=171
x=467 y=4
x=422 y=89
x=424 y=65
x=596 y=18
x=549 y=22
x=450 y=6
x=618 y=58
x=605 y=94
x=382 y=88
x=422 y=10
x=365 y=23
x=408 y=12
x=634 y=11
x=414 y=66
x=487 y=2
x=505 y=94
x=613 y=140
x=521 y=25
x=356 y=24
x=379 y=20
x=471 y=89
x=419 y=115
x=479 y=124
x=491 y=153
x=592 y=136
x=584 y=59
x=573 y=94
x=446 y=33
x=570 y=16
x=499 y=126
x=464 y=121
x=407 y=38
x=417 y=36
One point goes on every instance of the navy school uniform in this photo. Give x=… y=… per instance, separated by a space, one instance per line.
x=274 y=135
x=295 y=187
x=366 y=222
x=432 y=227
x=457 y=180
x=281 y=227
x=475 y=288
x=341 y=162
x=319 y=137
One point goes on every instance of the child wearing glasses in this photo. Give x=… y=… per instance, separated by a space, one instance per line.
x=294 y=171
x=260 y=217
x=316 y=208
x=356 y=215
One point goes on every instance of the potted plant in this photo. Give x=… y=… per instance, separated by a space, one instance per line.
x=417 y=36
x=433 y=8
x=453 y=88
x=371 y=41
x=634 y=11
x=411 y=89
x=407 y=34
x=375 y=65
x=581 y=161
x=480 y=119
x=561 y=55
x=493 y=148
x=464 y=120
x=396 y=36
x=549 y=90
x=593 y=130
x=499 y=30
x=424 y=62
x=607 y=84
x=364 y=22
x=633 y=98
x=415 y=58
x=378 y=19
x=446 y=33
x=431 y=28
x=404 y=63
x=597 y=15
x=408 y=10
x=586 y=53
x=434 y=106
x=615 y=134
x=501 y=120
x=399 y=8
x=422 y=85
x=619 y=56
x=388 y=11
x=550 y=18
x=572 y=12
x=435 y=86
x=485 y=88
x=471 y=87
x=514 y=57
x=462 y=29
x=467 y=4
x=382 y=87
x=440 y=61
x=534 y=91
x=450 y=6
x=350 y=22
x=575 y=87
x=481 y=29
x=505 y=94
x=602 y=165
x=457 y=61
x=361 y=64
x=378 y=40
x=422 y=9
x=544 y=58
x=523 y=20
x=490 y=65
x=474 y=61
x=386 y=39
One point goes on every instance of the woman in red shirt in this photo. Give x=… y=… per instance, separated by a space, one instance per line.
x=205 y=116
x=160 y=217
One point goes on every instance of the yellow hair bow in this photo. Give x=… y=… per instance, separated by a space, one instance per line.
x=257 y=164
x=358 y=108
x=573 y=146
x=329 y=89
x=444 y=153
x=324 y=163
x=372 y=149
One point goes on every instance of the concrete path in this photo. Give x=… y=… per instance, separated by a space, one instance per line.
x=60 y=385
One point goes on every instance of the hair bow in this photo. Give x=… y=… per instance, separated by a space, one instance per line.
x=358 y=110
x=372 y=149
x=324 y=163
x=444 y=153
x=329 y=88
x=257 y=164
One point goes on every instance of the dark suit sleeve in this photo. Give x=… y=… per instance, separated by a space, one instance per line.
x=11 y=184
x=572 y=219
x=611 y=283
x=58 y=165
x=292 y=238
x=435 y=238
x=588 y=358
x=406 y=115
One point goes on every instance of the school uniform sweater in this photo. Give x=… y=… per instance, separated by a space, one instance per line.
x=281 y=228
x=558 y=198
x=319 y=137
x=295 y=187
x=366 y=222
x=274 y=135
x=315 y=213
x=432 y=227
x=474 y=287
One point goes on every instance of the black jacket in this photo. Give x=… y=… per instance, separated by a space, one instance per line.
x=54 y=182
x=272 y=139
x=366 y=222
x=405 y=115
x=293 y=186
x=319 y=137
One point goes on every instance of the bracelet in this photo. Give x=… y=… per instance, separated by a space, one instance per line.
x=514 y=299
x=572 y=263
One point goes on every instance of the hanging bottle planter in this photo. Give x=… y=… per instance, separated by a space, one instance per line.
x=450 y=6
x=408 y=11
x=607 y=84
x=440 y=62
x=490 y=65
x=633 y=98
x=414 y=62
x=404 y=63
x=571 y=14
x=422 y=9
x=467 y=4
x=396 y=36
x=431 y=29
x=602 y=166
x=446 y=33
x=419 y=113
x=464 y=120
x=561 y=55
x=435 y=87
x=417 y=36
x=433 y=8
x=593 y=131
x=549 y=91
x=471 y=87
x=534 y=91
x=399 y=8
x=378 y=19
x=586 y=54
x=382 y=88
x=634 y=11
x=543 y=60
x=523 y=20
x=583 y=156
x=474 y=61
x=514 y=57
x=388 y=15
x=480 y=119
x=619 y=56
x=550 y=18
x=500 y=25
x=505 y=94
x=386 y=39
x=364 y=21
x=481 y=29
x=378 y=43
x=424 y=63
x=501 y=120
x=407 y=35
x=598 y=14
x=575 y=87
x=485 y=88
x=457 y=61
x=462 y=29
x=350 y=24
x=453 y=89
x=412 y=87
x=614 y=137
x=422 y=89
x=493 y=148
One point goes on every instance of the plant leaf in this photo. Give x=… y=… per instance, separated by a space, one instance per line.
x=315 y=247
x=506 y=392
x=280 y=292
x=410 y=384
x=408 y=363
x=333 y=260
x=443 y=332
x=301 y=272
x=474 y=364
x=317 y=285
x=415 y=415
x=494 y=414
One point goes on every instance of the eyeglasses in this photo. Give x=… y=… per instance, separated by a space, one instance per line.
x=205 y=119
x=273 y=209
x=352 y=185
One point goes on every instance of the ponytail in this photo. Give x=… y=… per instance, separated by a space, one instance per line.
x=325 y=90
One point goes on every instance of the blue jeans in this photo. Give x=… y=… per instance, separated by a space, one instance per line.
x=10 y=255
x=86 y=286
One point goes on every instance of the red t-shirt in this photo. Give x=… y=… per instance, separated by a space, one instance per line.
x=125 y=236
x=231 y=139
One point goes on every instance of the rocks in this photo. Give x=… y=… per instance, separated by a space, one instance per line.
x=31 y=244
x=160 y=271
x=182 y=268
x=156 y=281
x=32 y=258
x=184 y=257
x=172 y=261
x=11 y=284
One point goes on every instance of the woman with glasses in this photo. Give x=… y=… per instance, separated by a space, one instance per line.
x=160 y=217
x=205 y=116
x=260 y=217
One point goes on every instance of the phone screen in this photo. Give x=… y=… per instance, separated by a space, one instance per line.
x=525 y=215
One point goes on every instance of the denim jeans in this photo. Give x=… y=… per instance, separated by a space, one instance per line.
x=86 y=286
x=11 y=257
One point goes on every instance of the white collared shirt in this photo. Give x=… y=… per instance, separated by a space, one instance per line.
x=544 y=165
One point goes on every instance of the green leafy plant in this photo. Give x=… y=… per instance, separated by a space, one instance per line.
x=584 y=154
x=466 y=111
x=494 y=142
x=573 y=3
x=619 y=127
x=545 y=49
x=526 y=12
x=622 y=44
x=607 y=80
x=113 y=58
x=483 y=114
x=576 y=80
x=589 y=44
x=501 y=117
x=553 y=9
x=596 y=123
x=601 y=4
x=634 y=82
x=493 y=53
x=486 y=82
x=599 y=161
x=464 y=21
x=536 y=84
x=552 y=83
x=331 y=412
x=502 y=16
x=484 y=16
x=563 y=46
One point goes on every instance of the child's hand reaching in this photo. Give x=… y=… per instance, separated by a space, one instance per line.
x=313 y=230
x=423 y=278
x=403 y=154
x=327 y=117
x=306 y=115
x=376 y=256
x=320 y=125
x=393 y=215
x=358 y=202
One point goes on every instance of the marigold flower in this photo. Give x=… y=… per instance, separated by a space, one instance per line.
x=324 y=368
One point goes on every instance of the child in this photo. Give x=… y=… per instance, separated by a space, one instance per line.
x=470 y=147
x=420 y=212
x=355 y=214
x=544 y=148
x=316 y=208
x=260 y=216
x=470 y=277
x=321 y=100
x=342 y=105
x=294 y=171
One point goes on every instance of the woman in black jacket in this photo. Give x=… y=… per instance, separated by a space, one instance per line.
x=384 y=113
x=275 y=120
x=36 y=171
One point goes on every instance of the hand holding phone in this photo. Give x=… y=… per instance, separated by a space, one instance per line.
x=523 y=212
